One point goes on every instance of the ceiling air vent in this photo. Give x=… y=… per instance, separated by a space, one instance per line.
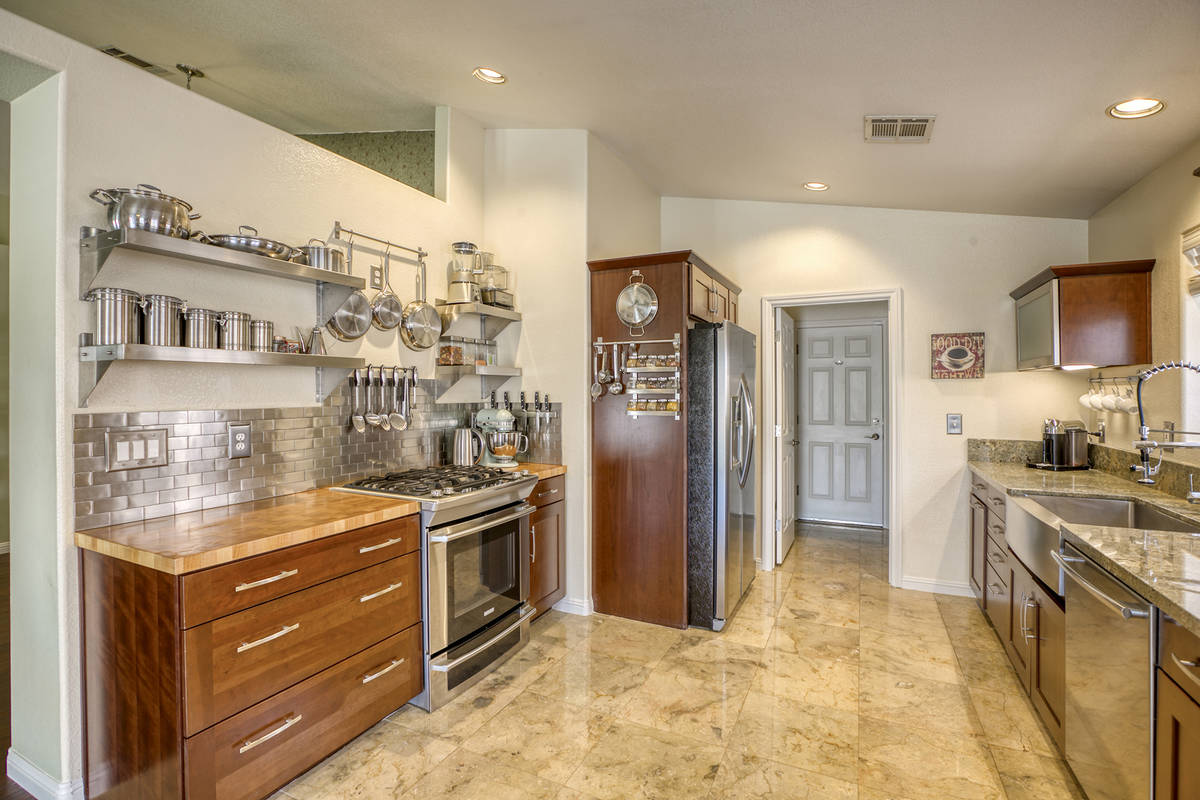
x=117 y=52
x=896 y=128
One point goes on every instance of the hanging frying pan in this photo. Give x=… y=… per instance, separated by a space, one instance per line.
x=386 y=310
x=352 y=320
x=420 y=325
x=637 y=304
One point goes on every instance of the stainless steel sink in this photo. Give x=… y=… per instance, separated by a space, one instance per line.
x=1116 y=513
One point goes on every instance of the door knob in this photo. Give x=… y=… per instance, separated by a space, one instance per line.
x=871 y=436
x=795 y=443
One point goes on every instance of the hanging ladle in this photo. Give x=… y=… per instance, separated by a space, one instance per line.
x=597 y=388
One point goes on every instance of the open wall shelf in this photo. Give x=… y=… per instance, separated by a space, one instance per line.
x=94 y=361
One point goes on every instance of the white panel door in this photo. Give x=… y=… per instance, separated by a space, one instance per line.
x=785 y=427
x=840 y=428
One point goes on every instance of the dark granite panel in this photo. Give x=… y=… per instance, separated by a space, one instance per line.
x=701 y=526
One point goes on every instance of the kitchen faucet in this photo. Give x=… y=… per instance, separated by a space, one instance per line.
x=1144 y=444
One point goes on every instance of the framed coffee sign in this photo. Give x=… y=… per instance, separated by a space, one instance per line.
x=956 y=355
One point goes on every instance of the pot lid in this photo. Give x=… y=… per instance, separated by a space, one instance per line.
x=146 y=190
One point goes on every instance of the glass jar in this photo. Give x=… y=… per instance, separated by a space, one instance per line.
x=479 y=352
x=491 y=352
x=450 y=352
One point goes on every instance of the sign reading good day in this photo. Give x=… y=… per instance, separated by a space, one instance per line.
x=956 y=355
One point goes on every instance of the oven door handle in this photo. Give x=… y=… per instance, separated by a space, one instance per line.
x=477 y=650
x=523 y=510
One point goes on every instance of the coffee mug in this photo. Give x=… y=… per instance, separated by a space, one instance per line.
x=958 y=356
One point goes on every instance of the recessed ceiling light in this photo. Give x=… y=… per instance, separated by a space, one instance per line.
x=816 y=186
x=489 y=75
x=1136 y=108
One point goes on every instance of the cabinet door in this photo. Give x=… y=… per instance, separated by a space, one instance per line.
x=1019 y=636
x=1177 y=743
x=978 y=548
x=997 y=601
x=1048 y=667
x=721 y=301
x=702 y=296
x=546 y=557
x=733 y=304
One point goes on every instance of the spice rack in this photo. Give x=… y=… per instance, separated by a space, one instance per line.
x=661 y=398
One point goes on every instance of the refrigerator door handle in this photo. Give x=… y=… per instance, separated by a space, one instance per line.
x=735 y=434
x=746 y=438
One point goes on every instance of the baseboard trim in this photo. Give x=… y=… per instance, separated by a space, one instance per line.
x=571 y=605
x=937 y=587
x=33 y=780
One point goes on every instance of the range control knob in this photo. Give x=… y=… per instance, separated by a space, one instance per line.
x=436 y=493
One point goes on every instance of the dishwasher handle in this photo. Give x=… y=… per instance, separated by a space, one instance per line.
x=1128 y=612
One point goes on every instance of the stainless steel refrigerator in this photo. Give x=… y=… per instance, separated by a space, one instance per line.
x=721 y=422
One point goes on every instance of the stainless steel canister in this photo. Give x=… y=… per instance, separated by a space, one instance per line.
x=200 y=327
x=118 y=315
x=162 y=318
x=262 y=332
x=235 y=330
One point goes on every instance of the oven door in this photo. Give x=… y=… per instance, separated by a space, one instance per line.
x=478 y=572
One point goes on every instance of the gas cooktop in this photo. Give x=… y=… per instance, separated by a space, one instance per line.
x=436 y=482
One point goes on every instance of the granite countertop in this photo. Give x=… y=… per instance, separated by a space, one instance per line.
x=200 y=539
x=1162 y=566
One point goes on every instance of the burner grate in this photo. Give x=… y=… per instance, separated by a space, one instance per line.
x=434 y=481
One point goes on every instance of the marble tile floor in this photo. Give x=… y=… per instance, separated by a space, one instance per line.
x=827 y=684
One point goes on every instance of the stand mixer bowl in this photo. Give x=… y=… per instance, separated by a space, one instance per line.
x=505 y=445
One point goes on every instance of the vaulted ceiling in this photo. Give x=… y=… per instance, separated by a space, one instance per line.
x=718 y=98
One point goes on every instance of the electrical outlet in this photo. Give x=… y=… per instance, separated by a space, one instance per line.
x=954 y=424
x=377 y=276
x=239 y=439
x=135 y=449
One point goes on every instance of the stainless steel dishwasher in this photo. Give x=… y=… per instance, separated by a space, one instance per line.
x=1109 y=725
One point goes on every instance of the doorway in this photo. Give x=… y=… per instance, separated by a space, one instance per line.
x=830 y=397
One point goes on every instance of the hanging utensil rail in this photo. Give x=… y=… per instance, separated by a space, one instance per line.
x=339 y=229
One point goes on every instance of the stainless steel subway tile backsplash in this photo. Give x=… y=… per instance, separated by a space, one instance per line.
x=294 y=450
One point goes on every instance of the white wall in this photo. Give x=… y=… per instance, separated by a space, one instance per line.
x=102 y=123
x=623 y=213
x=1145 y=222
x=955 y=271
x=536 y=211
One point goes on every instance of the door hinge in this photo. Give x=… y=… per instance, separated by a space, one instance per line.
x=778 y=525
x=778 y=431
x=797 y=491
x=777 y=336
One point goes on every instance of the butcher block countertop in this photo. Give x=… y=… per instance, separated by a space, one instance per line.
x=201 y=539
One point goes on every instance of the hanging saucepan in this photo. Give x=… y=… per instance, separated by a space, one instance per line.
x=319 y=255
x=352 y=320
x=421 y=325
x=248 y=240
x=637 y=304
x=146 y=208
x=386 y=310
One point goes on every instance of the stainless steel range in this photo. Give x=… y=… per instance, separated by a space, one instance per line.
x=474 y=565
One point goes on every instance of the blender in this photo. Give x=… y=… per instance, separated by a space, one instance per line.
x=502 y=442
x=462 y=286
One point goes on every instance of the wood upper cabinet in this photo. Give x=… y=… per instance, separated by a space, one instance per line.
x=1103 y=315
x=700 y=295
x=711 y=296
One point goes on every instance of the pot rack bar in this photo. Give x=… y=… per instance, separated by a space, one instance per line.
x=602 y=342
x=339 y=229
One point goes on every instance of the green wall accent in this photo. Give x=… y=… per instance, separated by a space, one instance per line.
x=406 y=156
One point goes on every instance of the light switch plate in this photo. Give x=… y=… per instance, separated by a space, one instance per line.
x=135 y=449
x=954 y=424
x=239 y=439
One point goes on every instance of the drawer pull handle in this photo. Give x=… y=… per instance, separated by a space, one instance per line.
x=380 y=546
x=250 y=744
x=1184 y=667
x=287 y=573
x=284 y=631
x=996 y=501
x=395 y=663
x=380 y=593
x=996 y=588
x=997 y=557
x=548 y=492
x=980 y=486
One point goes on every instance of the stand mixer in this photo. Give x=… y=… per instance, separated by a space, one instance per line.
x=502 y=442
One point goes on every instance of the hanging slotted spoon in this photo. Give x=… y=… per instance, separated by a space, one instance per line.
x=398 y=421
x=357 y=420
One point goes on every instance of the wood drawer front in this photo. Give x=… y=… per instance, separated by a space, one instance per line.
x=548 y=490
x=996 y=501
x=329 y=709
x=287 y=640
x=997 y=556
x=1177 y=648
x=997 y=600
x=222 y=590
x=995 y=531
